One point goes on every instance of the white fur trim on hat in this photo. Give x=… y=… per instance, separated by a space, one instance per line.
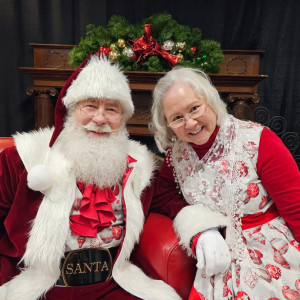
x=101 y=79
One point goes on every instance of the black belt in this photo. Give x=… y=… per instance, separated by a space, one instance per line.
x=86 y=266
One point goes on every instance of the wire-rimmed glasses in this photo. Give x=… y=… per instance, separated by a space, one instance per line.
x=197 y=112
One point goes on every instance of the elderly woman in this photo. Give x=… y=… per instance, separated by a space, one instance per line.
x=233 y=189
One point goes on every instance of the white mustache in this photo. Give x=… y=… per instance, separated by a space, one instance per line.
x=99 y=129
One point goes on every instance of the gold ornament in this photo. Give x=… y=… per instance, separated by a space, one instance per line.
x=121 y=43
x=180 y=55
x=180 y=46
x=113 y=46
x=114 y=55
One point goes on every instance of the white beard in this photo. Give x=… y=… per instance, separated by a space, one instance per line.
x=95 y=160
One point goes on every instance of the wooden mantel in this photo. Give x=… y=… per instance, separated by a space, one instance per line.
x=237 y=83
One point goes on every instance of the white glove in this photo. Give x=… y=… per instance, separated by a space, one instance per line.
x=212 y=253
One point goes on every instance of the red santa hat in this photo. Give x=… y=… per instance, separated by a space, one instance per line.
x=96 y=77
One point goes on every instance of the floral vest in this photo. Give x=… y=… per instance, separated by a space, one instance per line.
x=225 y=179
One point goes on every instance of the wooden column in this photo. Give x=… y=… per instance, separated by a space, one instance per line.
x=44 y=104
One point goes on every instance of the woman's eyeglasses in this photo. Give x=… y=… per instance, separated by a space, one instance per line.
x=197 y=112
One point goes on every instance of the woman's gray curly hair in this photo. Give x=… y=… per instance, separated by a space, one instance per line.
x=202 y=87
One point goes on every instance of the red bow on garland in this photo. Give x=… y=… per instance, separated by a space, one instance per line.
x=145 y=46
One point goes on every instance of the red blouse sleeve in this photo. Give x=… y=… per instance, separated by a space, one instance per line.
x=280 y=176
x=167 y=200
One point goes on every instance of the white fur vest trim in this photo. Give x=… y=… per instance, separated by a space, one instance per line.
x=47 y=237
x=127 y=275
x=197 y=218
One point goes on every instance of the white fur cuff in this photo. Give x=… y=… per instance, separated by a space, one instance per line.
x=193 y=219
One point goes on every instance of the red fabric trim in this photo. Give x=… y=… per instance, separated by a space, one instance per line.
x=130 y=160
x=194 y=242
x=127 y=172
x=258 y=219
x=194 y=295
x=124 y=180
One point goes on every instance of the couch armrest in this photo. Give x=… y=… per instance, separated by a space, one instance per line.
x=6 y=142
x=159 y=245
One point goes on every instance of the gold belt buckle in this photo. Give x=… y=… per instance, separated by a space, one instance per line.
x=86 y=266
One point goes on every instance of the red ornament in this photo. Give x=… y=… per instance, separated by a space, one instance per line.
x=252 y=191
x=223 y=166
x=297 y=285
x=81 y=240
x=255 y=256
x=273 y=271
x=117 y=232
x=242 y=296
x=227 y=276
x=281 y=260
x=104 y=50
x=264 y=201
x=258 y=253
x=290 y=294
x=263 y=274
x=194 y=50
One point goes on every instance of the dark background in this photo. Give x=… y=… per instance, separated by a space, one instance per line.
x=269 y=25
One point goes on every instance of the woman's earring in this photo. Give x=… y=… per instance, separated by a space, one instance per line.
x=174 y=139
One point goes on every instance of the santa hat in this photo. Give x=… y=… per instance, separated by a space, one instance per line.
x=96 y=77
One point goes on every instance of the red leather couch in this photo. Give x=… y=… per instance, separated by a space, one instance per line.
x=159 y=244
x=6 y=142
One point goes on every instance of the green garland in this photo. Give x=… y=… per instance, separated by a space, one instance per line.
x=194 y=51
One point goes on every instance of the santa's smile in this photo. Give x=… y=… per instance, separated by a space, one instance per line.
x=96 y=133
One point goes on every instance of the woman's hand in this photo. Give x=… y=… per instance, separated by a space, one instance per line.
x=212 y=252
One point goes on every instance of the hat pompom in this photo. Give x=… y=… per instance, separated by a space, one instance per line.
x=39 y=178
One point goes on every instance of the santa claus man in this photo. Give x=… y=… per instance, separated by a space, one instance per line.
x=73 y=199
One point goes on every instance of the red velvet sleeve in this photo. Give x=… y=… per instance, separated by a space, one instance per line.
x=167 y=200
x=10 y=168
x=147 y=195
x=280 y=176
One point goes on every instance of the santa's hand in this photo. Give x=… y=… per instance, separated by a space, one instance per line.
x=212 y=253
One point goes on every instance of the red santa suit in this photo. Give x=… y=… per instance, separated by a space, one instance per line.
x=35 y=225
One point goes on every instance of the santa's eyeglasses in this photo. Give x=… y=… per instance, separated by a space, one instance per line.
x=110 y=112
